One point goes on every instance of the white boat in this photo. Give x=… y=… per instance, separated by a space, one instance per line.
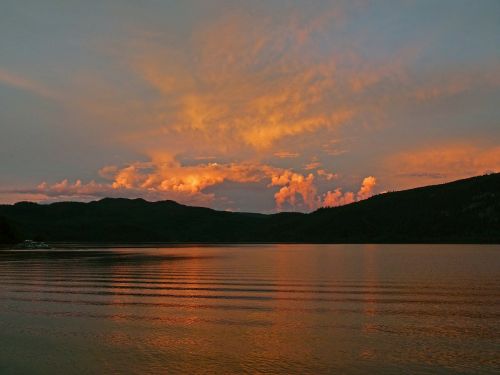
x=30 y=244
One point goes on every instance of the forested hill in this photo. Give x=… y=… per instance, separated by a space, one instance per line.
x=462 y=211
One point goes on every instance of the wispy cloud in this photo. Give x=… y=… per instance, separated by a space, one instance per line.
x=21 y=82
x=312 y=165
x=444 y=162
x=247 y=82
x=286 y=154
x=455 y=83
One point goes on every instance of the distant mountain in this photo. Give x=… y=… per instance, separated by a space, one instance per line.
x=466 y=211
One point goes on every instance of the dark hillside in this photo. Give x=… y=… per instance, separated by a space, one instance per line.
x=8 y=233
x=461 y=211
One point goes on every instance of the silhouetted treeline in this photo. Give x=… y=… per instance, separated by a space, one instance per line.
x=462 y=211
x=8 y=234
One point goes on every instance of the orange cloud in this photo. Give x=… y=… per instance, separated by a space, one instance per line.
x=253 y=108
x=294 y=185
x=78 y=190
x=11 y=196
x=246 y=82
x=442 y=163
x=164 y=174
x=338 y=198
x=367 y=186
x=312 y=165
x=163 y=177
x=328 y=176
x=286 y=154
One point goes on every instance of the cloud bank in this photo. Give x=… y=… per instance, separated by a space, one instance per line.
x=165 y=178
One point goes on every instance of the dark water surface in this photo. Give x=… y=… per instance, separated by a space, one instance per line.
x=301 y=309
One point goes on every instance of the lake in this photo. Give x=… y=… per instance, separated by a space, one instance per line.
x=291 y=309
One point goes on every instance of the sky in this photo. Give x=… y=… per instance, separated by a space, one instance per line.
x=258 y=106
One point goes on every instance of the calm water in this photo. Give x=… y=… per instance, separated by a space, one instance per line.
x=302 y=309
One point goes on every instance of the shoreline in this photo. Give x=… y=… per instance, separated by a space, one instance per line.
x=144 y=245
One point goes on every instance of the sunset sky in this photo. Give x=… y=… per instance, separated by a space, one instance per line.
x=245 y=105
